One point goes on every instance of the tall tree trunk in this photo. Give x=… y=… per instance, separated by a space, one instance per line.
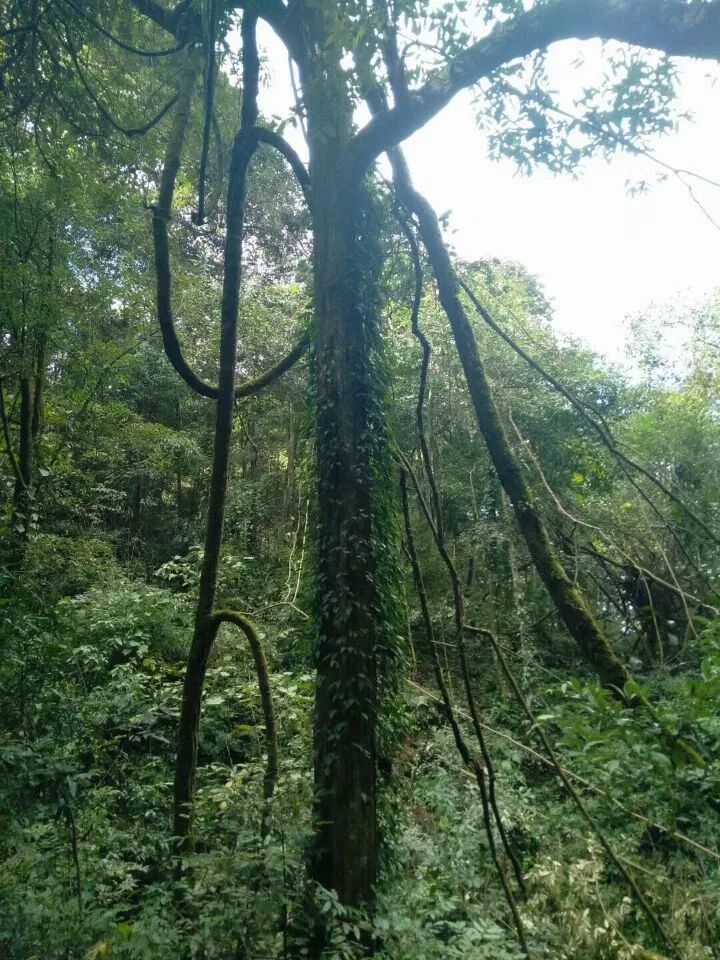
x=22 y=497
x=346 y=705
x=349 y=440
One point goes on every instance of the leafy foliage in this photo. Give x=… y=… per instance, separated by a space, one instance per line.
x=104 y=471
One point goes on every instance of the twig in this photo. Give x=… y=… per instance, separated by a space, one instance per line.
x=471 y=763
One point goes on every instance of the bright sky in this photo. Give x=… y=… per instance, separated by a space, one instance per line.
x=600 y=253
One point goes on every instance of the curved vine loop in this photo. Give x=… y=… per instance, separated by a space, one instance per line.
x=161 y=216
x=263 y=679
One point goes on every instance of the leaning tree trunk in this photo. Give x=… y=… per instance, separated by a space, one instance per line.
x=569 y=600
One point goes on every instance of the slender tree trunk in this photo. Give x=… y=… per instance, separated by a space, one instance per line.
x=38 y=404
x=289 y=491
x=516 y=614
x=206 y=626
x=178 y=494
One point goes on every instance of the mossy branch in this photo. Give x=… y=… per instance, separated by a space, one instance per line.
x=568 y=598
x=597 y=422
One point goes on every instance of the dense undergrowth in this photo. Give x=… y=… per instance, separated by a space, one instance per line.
x=90 y=698
x=565 y=507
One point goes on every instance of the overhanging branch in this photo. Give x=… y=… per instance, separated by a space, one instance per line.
x=679 y=28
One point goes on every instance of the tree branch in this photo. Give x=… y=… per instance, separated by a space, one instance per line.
x=121 y=43
x=679 y=28
x=182 y=21
x=167 y=19
x=250 y=387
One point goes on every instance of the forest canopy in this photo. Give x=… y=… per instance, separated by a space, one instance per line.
x=347 y=609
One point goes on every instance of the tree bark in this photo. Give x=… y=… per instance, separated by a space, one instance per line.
x=349 y=435
x=345 y=857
